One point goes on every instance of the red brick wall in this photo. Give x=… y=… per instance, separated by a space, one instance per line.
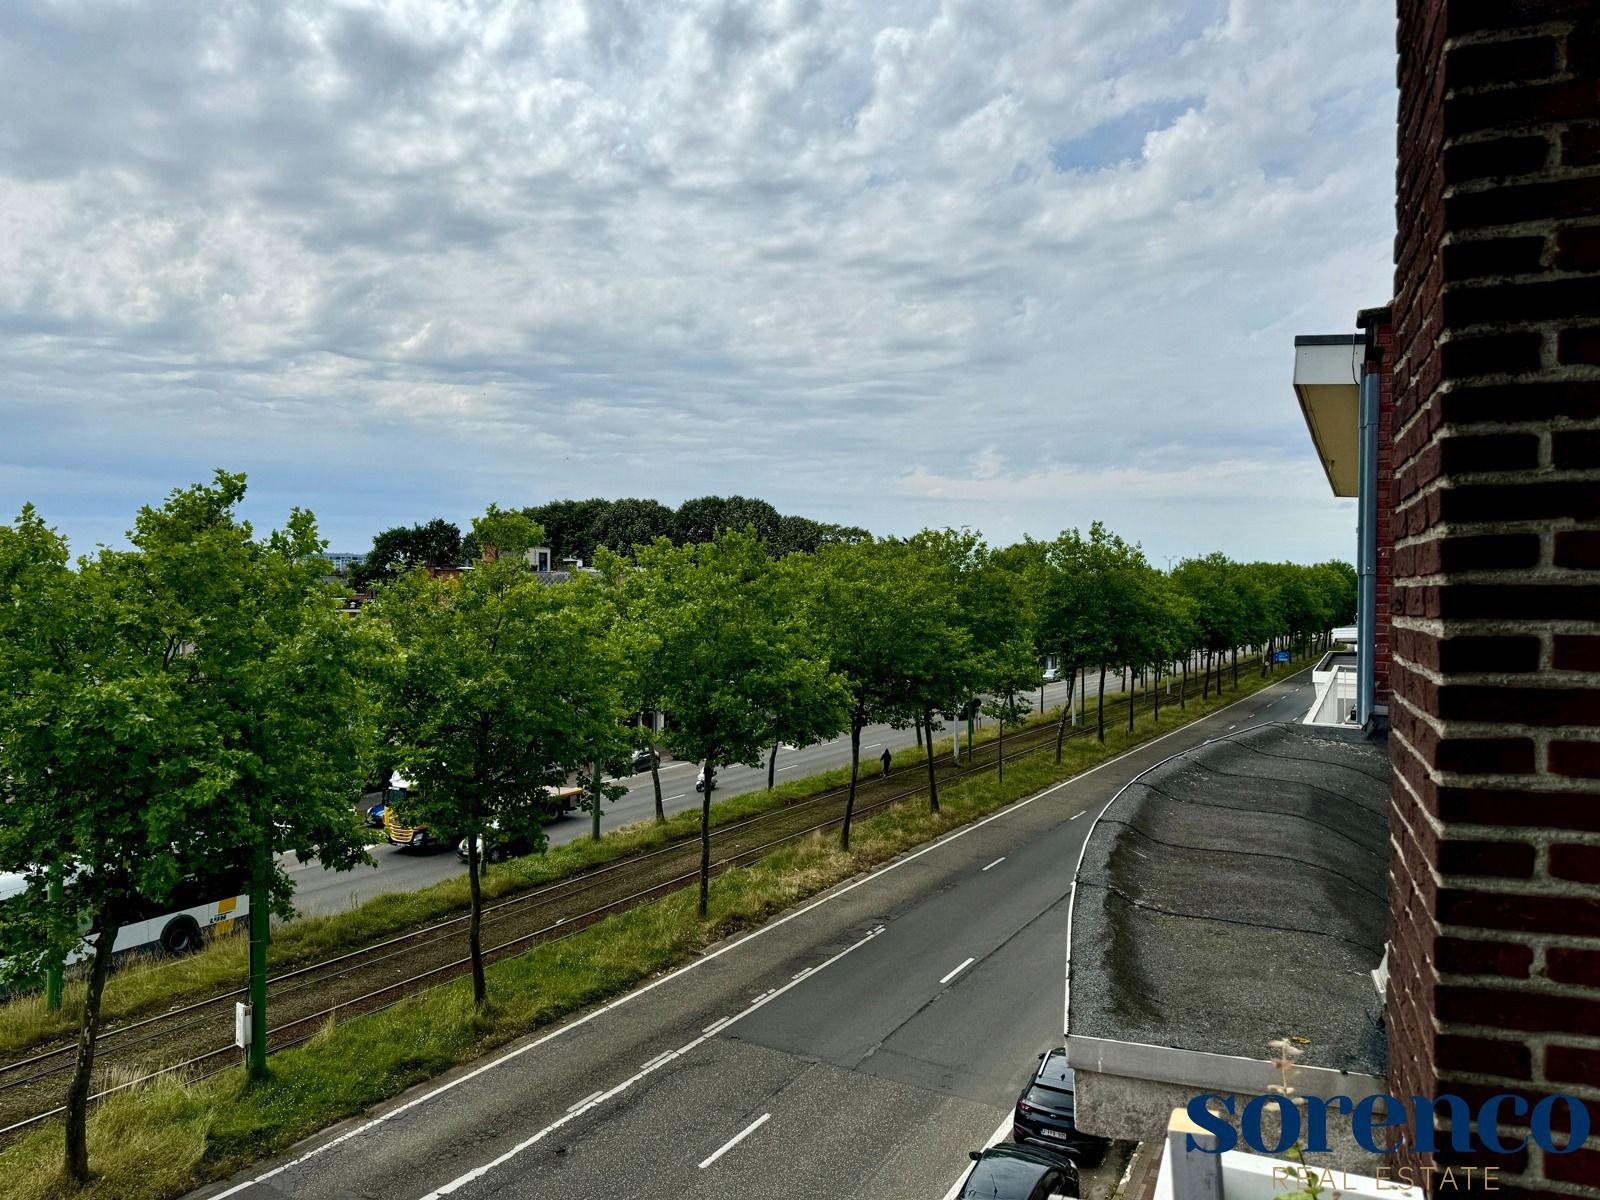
x=1495 y=882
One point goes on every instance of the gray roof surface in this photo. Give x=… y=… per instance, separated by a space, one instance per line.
x=1237 y=894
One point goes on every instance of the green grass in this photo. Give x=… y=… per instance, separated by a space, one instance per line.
x=157 y=1141
x=154 y=983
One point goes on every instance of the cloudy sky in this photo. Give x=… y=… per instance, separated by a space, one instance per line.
x=890 y=262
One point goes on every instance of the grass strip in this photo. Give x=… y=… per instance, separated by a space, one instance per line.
x=165 y=1138
x=147 y=985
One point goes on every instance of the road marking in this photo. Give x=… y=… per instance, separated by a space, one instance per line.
x=781 y=770
x=716 y=1025
x=589 y=1099
x=573 y=1113
x=874 y=746
x=679 y=796
x=673 y=766
x=629 y=997
x=1076 y=815
x=996 y=862
x=957 y=971
x=737 y=1138
x=649 y=1066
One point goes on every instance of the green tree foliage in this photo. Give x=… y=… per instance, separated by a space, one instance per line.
x=434 y=544
x=732 y=654
x=191 y=707
x=502 y=689
x=629 y=523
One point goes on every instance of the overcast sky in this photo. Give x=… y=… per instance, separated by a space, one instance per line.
x=1010 y=265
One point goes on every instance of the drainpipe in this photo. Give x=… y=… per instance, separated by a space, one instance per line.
x=1367 y=549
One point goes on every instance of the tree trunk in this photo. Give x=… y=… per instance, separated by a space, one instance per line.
x=933 y=783
x=475 y=919
x=855 y=766
x=772 y=766
x=1066 y=712
x=919 y=734
x=655 y=779
x=1131 y=698
x=1155 y=694
x=77 y=1156
x=1205 y=663
x=1101 y=705
x=705 y=841
x=1236 y=666
x=594 y=784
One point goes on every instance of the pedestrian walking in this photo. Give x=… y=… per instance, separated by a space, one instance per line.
x=885 y=761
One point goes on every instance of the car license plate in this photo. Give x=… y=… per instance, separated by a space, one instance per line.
x=1055 y=1133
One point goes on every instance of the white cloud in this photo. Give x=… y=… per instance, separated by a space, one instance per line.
x=788 y=250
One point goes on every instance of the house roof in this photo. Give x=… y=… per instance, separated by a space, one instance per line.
x=1237 y=893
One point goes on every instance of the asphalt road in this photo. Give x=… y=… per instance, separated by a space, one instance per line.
x=320 y=891
x=858 y=1046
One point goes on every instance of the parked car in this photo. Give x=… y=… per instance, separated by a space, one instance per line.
x=1044 y=1113
x=1051 y=674
x=643 y=756
x=1014 y=1172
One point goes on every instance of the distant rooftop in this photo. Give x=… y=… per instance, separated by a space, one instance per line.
x=1237 y=894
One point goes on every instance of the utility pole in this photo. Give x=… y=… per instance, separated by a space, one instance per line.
x=53 y=973
x=260 y=938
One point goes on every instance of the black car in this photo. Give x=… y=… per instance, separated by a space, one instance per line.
x=1012 y=1172
x=642 y=757
x=1044 y=1113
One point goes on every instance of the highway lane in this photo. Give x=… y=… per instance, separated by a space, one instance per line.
x=320 y=891
x=856 y=1047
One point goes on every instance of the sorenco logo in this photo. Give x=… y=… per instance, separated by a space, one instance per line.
x=1412 y=1121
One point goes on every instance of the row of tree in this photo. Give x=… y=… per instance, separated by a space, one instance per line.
x=198 y=701
x=579 y=528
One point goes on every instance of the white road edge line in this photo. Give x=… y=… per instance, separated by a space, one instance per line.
x=957 y=971
x=655 y=1064
x=827 y=898
x=995 y=863
x=737 y=1138
x=592 y=1096
x=994 y=1139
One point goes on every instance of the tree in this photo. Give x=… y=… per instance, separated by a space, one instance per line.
x=1218 y=611
x=702 y=519
x=629 y=523
x=190 y=707
x=435 y=544
x=504 y=687
x=731 y=656
x=570 y=526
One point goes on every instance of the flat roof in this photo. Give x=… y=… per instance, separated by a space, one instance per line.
x=1237 y=894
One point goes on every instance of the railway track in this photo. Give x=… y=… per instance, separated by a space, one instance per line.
x=196 y=1038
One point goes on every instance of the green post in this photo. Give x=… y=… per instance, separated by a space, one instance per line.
x=53 y=973
x=260 y=938
x=595 y=800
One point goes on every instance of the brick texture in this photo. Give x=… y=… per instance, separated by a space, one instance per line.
x=1493 y=502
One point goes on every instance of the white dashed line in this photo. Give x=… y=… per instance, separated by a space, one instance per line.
x=737 y=1138
x=996 y=862
x=957 y=971
x=587 y=1100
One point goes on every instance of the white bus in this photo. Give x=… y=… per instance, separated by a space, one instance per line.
x=196 y=911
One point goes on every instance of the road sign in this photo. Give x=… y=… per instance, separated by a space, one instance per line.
x=1280 y=656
